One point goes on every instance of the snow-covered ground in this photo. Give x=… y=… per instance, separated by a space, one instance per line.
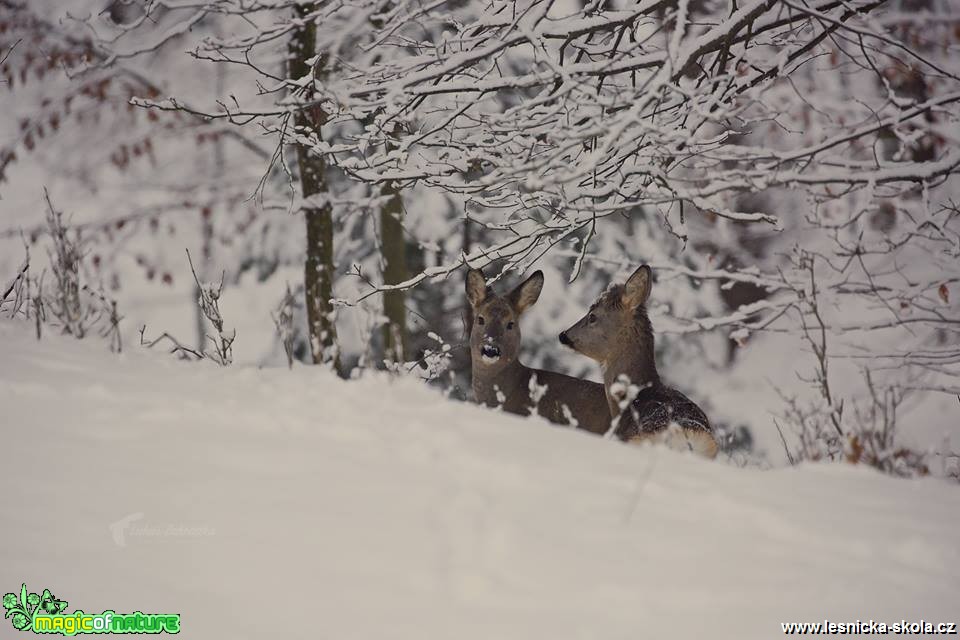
x=267 y=503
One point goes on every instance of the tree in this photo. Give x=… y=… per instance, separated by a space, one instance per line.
x=317 y=210
x=828 y=123
x=787 y=167
x=294 y=106
x=394 y=272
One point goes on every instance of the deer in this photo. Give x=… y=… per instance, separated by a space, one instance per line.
x=616 y=333
x=501 y=380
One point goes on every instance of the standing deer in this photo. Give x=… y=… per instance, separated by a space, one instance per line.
x=617 y=334
x=500 y=379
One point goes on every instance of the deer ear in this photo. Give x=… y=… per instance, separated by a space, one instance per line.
x=476 y=287
x=637 y=289
x=526 y=293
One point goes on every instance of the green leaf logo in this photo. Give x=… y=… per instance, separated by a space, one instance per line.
x=22 y=609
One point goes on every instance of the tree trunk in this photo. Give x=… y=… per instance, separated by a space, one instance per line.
x=393 y=249
x=318 y=269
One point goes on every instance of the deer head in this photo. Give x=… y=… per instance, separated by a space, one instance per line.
x=616 y=326
x=494 y=321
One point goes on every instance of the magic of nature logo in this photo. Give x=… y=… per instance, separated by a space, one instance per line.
x=45 y=613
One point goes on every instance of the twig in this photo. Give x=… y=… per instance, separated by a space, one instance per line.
x=210 y=307
x=177 y=346
x=21 y=274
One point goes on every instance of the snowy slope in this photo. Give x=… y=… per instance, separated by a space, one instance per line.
x=279 y=504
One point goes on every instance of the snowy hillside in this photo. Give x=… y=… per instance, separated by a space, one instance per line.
x=279 y=504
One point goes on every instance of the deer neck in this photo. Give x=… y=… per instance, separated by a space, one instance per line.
x=636 y=362
x=510 y=379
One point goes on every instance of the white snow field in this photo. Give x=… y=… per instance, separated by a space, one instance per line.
x=290 y=504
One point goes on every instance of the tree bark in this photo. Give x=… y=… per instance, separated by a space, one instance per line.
x=393 y=250
x=318 y=268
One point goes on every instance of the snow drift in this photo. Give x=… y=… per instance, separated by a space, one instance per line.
x=267 y=503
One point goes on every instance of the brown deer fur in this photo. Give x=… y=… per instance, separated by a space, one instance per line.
x=500 y=379
x=616 y=332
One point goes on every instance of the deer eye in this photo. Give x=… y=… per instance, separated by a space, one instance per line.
x=592 y=318
x=509 y=326
x=480 y=320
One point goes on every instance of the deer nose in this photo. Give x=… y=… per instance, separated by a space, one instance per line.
x=565 y=339
x=489 y=353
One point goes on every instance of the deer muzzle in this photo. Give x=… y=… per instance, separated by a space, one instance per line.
x=490 y=353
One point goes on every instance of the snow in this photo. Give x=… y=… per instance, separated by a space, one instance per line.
x=291 y=504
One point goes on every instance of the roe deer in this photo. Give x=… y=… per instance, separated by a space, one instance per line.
x=617 y=333
x=498 y=376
